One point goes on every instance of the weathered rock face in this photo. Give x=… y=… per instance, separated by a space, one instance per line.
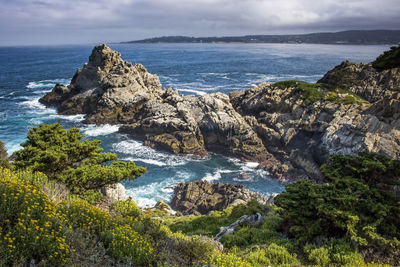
x=201 y=197
x=290 y=136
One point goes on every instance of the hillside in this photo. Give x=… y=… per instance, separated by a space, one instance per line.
x=344 y=37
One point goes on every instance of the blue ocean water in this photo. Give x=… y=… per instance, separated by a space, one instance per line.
x=27 y=73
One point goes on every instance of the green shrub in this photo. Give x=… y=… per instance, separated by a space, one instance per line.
x=319 y=256
x=82 y=215
x=311 y=92
x=388 y=60
x=64 y=156
x=124 y=243
x=228 y=260
x=92 y=196
x=126 y=207
x=353 y=204
x=272 y=255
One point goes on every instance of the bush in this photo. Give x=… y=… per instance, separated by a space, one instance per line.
x=319 y=256
x=228 y=260
x=388 y=60
x=354 y=203
x=311 y=92
x=31 y=229
x=126 y=208
x=3 y=156
x=82 y=215
x=64 y=156
x=272 y=255
x=123 y=243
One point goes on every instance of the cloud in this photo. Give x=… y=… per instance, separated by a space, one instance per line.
x=84 y=21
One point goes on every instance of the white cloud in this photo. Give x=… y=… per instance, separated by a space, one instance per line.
x=81 y=21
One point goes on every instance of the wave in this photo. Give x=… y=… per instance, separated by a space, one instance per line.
x=99 y=130
x=37 y=107
x=192 y=91
x=212 y=177
x=148 y=161
x=47 y=83
x=74 y=118
x=136 y=149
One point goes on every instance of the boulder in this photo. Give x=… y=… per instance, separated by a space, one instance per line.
x=114 y=192
x=201 y=197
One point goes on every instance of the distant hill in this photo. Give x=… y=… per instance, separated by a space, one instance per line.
x=344 y=37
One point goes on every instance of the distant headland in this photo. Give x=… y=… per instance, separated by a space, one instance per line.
x=368 y=37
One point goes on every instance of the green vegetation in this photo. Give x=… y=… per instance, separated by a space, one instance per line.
x=313 y=92
x=352 y=219
x=79 y=164
x=388 y=60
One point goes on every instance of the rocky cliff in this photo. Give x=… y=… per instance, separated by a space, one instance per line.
x=289 y=127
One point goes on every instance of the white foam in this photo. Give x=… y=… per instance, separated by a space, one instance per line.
x=252 y=164
x=47 y=83
x=99 y=130
x=138 y=150
x=192 y=91
x=148 y=161
x=75 y=118
x=37 y=107
x=212 y=177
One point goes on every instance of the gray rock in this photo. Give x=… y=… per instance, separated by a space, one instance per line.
x=201 y=197
x=114 y=192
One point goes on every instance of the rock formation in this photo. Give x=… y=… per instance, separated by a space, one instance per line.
x=291 y=128
x=201 y=197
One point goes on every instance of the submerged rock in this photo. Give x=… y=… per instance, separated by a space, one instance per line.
x=201 y=197
x=290 y=128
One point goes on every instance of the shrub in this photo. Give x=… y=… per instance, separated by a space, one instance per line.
x=82 y=215
x=3 y=156
x=123 y=243
x=319 y=256
x=389 y=59
x=64 y=156
x=354 y=203
x=126 y=207
x=31 y=229
x=311 y=92
x=228 y=260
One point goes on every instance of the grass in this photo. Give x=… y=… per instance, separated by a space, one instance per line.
x=314 y=92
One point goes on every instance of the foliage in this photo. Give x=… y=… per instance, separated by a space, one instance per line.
x=210 y=224
x=388 y=60
x=30 y=226
x=313 y=92
x=228 y=259
x=266 y=234
x=126 y=207
x=272 y=255
x=64 y=155
x=126 y=244
x=352 y=204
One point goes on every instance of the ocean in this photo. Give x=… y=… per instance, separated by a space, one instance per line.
x=27 y=73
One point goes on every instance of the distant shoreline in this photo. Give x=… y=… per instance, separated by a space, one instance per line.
x=360 y=37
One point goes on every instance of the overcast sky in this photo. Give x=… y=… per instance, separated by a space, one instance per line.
x=29 y=22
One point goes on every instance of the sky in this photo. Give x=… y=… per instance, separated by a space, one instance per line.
x=48 y=22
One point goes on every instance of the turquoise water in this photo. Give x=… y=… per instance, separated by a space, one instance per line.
x=27 y=73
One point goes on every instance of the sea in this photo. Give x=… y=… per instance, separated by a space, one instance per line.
x=28 y=73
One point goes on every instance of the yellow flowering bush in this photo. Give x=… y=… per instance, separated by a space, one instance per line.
x=126 y=207
x=227 y=260
x=82 y=215
x=124 y=243
x=30 y=226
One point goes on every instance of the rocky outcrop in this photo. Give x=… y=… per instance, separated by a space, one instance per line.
x=290 y=128
x=201 y=197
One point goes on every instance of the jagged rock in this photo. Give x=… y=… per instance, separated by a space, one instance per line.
x=201 y=197
x=289 y=136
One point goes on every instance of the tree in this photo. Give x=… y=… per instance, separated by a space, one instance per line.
x=356 y=203
x=65 y=157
